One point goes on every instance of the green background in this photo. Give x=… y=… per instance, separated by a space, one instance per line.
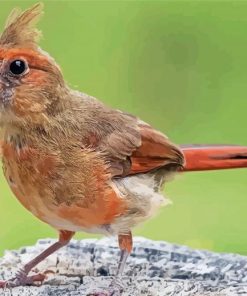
x=182 y=67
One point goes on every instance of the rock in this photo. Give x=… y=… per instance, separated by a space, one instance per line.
x=154 y=268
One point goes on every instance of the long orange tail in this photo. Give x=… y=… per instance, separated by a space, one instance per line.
x=214 y=157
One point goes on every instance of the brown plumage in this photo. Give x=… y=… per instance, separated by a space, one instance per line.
x=75 y=163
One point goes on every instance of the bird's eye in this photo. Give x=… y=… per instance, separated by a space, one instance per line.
x=17 y=67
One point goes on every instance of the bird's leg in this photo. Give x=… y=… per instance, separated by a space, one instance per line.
x=22 y=278
x=125 y=244
x=116 y=287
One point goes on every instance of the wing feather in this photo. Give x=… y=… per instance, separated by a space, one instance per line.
x=155 y=151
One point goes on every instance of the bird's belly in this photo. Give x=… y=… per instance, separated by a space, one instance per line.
x=94 y=218
x=66 y=201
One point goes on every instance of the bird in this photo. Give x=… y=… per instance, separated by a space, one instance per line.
x=75 y=163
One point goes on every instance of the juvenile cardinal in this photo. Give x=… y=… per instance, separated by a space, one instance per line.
x=75 y=163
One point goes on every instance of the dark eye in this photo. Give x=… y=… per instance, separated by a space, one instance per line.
x=17 y=67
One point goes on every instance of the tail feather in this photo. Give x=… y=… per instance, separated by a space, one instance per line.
x=214 y=157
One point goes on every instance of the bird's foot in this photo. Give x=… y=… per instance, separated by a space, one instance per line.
x=22 y=279
x=115 y=289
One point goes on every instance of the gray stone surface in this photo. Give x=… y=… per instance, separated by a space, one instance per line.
x=154 y=268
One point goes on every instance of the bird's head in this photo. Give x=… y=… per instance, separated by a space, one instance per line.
x=30 y=80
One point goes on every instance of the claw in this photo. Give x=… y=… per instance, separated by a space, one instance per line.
x=115 y=289
x=21 y=279
x=40 y=277
x=101 y=294
x=3 y=284
x=20 y=274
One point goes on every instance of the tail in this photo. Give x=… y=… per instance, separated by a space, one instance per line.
x=214 y=157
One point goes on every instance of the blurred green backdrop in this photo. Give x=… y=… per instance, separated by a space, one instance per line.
x=180 y=66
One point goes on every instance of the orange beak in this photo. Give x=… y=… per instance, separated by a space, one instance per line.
x=214 y=157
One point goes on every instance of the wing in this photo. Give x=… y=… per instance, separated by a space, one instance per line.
x=129 y=145
x=135 y=147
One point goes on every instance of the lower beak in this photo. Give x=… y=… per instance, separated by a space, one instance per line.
x=214 y=157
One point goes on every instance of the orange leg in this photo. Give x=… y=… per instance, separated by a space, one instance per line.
x=22 y=277
x=125 y=245
x=116 y=287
